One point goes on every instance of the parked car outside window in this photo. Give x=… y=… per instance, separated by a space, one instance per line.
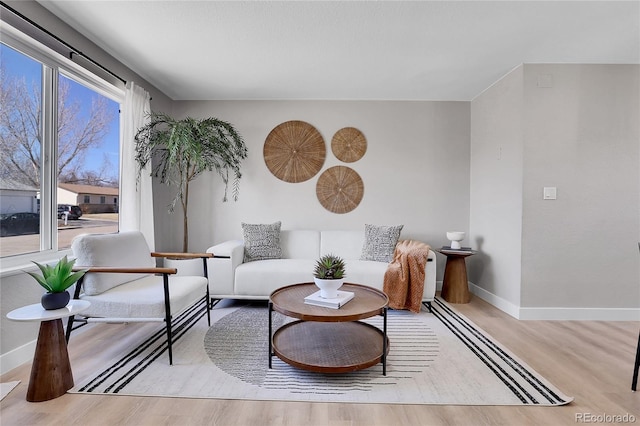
x=19 y=223
x=74 y=211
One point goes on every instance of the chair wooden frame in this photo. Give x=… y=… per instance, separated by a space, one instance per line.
x=148 y=270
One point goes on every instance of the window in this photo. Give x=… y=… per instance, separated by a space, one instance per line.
x=52 y=108
x=103 y=199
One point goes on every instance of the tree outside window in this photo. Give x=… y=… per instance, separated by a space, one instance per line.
x=87 y=134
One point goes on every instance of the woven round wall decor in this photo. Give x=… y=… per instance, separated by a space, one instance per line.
x=348 y=144
x=294 y=151
x=340 y=189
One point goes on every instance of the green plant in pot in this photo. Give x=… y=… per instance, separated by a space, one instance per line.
x=329 y=274
x=180 y=150
x=56 y=280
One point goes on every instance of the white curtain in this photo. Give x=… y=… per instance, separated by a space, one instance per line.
x=136 y=197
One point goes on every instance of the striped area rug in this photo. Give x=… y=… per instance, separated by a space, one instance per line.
x=434 y=358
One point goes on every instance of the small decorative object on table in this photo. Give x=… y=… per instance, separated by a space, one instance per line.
x=455 y=237
x=56 y=280
x=329 y=275
x=337 y=302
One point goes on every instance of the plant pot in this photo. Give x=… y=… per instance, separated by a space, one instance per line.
x=328 y=288
x=51 y=301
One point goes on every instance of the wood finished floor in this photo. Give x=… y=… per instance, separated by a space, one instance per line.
x=589 y=360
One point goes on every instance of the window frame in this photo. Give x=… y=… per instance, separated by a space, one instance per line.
x=53 y=64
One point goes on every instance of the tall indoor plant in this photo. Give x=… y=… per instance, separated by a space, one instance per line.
x=180 y=150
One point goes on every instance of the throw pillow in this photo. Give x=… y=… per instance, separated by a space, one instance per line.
x=261 y=241
x=380 y=242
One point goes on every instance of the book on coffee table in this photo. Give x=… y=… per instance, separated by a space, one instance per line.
x=335 y=303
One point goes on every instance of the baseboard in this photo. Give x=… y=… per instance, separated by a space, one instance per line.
x=17 y=357
x=24 y=353
x=556 y=313
x=580 y=314
x=500 y=303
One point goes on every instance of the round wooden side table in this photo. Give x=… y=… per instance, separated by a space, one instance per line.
x=51 y=374
x=455 y=287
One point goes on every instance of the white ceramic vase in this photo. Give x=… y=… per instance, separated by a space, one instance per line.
x=328 y=288
x=455 y=237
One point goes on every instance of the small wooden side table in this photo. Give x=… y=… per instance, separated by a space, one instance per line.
x=51 y=374
x=455 y=287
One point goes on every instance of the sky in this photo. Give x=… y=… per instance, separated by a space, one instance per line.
x=17 y=64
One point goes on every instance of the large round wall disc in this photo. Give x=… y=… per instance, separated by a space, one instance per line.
x=340 y=189
x=348 y=144
x=294 y=151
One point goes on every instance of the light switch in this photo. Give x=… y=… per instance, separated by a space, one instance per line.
x=549 y=193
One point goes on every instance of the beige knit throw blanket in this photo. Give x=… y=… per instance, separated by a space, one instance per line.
x=404 y=278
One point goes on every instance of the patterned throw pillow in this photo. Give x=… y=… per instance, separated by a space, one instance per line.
x=261 y=241
x=380 y=242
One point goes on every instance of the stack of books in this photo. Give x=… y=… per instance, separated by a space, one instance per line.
x=335 y=303
x=464 y=250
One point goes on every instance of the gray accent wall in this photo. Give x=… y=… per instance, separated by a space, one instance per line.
x=576 y=128
x=415 y=171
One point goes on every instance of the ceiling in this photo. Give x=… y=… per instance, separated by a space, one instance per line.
x=371 y=50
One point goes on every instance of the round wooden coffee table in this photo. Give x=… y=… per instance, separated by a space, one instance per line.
x=329 y=340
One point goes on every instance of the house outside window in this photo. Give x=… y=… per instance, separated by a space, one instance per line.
x=63 y=113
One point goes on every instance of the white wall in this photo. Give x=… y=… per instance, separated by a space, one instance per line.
x=496 y=189
x=415 y=171
x=582 y=136
x=66 y=197
x=574 y=127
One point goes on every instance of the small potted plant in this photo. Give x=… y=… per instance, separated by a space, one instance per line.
x=56 y=280
x=329 y=275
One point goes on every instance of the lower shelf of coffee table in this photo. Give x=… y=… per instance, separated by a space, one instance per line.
x=329 y=347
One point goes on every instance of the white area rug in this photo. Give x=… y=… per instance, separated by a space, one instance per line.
x=7 y=387
x=434 y=358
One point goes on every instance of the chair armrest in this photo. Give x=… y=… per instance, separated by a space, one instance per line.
x=182 y=255
x=108 y=269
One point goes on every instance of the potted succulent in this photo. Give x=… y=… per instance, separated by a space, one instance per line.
x=56 y=280
x=180 y=150
x=329 y=275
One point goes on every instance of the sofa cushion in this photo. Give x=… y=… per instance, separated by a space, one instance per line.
x=144 y=298
x=264 y=277
x=124 y=250
x=300 y=244
x=261 y=241
x=380 y=242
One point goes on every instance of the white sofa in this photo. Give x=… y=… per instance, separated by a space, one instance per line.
x=230 y=277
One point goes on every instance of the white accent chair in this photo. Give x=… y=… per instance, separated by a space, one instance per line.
x=124 y=285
